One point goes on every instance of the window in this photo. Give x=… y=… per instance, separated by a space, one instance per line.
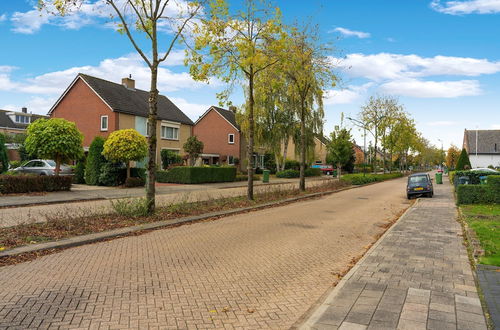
x=230 y=138
x=230 y=160
x=104 y=123
x=22 y=119
x=169 y=132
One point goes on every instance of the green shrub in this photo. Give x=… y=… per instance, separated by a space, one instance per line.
x=15 y=163
x=244 y=177
x=169 y=157
x=112 y=174
x=474 y=176
x=451 y=176
x=134 y=182
x=194 y=174
x=95 y=161
x=4 y=159
x=313 y=172
x=14 y=184
x=360 y=178
x=463 y=162
x=138 y=172
x=130 y=207
x=292 y=165
x=290 y=173
x=79 y=176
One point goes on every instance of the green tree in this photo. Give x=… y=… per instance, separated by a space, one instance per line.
x=310 y=72
x=56 y=139
x=125 y=145
x=94 y=162
x=236 y=47
x=4 y=159
x=463 y=162
x=140 y=18
x=340 y=148
x=194 y=148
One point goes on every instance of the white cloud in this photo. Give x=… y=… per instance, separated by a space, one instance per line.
x=396 y=66
x=3 y=17
x=192 y=110
x=54 y=83
x=466 y=7
x=347 y=95
x=442 y=123
x=351 y=33
x=432 y=89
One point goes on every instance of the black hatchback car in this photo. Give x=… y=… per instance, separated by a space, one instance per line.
x=419 y=184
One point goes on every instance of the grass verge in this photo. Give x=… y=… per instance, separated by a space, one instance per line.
x=129 y=213
x=485 y=221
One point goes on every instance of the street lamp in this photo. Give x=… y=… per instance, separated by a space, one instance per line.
x=442 y=153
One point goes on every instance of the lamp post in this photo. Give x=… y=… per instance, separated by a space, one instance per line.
x=441 y=156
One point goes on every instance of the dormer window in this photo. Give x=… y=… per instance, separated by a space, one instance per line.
x=21 y=119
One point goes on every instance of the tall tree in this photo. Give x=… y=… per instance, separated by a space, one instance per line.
x=310 y=72
x=4 y=159
x=125 y=145
x=237 y=47
x=452 y=157
x=194 y=148
x=136 y=18
x=463 y=162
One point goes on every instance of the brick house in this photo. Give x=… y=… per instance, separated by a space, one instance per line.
x=320 y=150
x=220 y=133
x=99 y=107
x=14 y=123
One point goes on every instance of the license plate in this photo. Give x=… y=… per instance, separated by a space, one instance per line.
x=419 y=188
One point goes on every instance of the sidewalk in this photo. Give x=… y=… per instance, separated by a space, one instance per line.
x=81 y=192
x=417 y=276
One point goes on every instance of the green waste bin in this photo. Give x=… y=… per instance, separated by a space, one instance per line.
x=265 y=176
x=439 y=178
x=483 y=179
x=334 y=173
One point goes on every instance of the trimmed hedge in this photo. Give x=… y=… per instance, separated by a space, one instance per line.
x=480 y=194
x=359 y=178
x=115 y=174
x=313 y=172
x=472 y=175
x=194 y=174
x=288 y=174
x=244 y=177
x=15 y=184
x=134 y=182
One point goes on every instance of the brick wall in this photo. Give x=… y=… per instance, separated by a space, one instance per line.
x=213 y=131
x=82 y=106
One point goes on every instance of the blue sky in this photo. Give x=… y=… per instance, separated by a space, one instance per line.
x=440 y=58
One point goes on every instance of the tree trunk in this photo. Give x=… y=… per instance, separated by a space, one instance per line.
x=374 y=162
x=128 y=170
x=285 y=151
x=277 y=161
x=250 y=135
x=302 y=181
x=58 y=165
x=153 y=110
x=339 y=169
x=383 y=156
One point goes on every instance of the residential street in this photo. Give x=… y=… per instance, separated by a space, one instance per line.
x=258 y=270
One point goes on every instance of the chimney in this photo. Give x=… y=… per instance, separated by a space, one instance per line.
x=24 y=110
x=232 y=108
x=128 y=82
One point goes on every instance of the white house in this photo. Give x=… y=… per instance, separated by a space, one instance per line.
x=483 y=147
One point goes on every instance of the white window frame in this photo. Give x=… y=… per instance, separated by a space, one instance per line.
x=173 y=126
x=104 y=129
x=229 y=138
x=230 y=160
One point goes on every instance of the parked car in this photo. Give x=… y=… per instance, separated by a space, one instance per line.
x=484 y=169
x=43 y=167
x=419 y=184
x=325 y=169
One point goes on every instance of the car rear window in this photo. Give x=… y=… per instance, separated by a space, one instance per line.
x=418 y=179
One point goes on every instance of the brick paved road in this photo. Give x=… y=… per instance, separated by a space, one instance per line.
x=257 y=270
x=417 y=277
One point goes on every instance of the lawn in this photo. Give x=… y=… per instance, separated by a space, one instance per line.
x=485 y=220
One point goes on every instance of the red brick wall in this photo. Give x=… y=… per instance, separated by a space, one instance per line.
x=213 y=131
x=82 y=106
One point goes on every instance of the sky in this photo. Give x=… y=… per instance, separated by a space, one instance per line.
x=440 y=58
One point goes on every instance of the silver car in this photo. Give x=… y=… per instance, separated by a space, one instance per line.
x=43 y=167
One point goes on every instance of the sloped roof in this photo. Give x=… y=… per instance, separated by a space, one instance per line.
x=323 y=139
x=133 y=101
x=486 y=141
x=6 y=121
x=229 y=115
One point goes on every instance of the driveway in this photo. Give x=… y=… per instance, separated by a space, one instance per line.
x=257 y=270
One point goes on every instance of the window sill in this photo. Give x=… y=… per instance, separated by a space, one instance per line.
x=169 y=139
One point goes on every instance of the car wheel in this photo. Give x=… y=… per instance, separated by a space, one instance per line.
x=42 y=174
x=408 y=196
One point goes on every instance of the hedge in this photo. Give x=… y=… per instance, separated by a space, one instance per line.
x=295 y=173
x=15 y=184
x=360 y=178
x=480 y=194
x=472 y=175
x=195 y=174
